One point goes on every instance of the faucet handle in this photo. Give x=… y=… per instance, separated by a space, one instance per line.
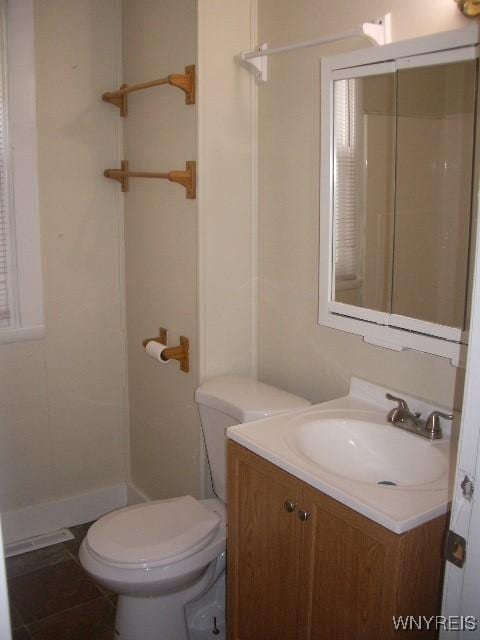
x=433 y=422
x=402 y=404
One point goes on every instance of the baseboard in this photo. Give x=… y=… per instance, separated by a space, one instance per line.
x=67 y=512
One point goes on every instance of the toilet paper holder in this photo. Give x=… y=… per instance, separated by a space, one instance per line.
x=179 y=352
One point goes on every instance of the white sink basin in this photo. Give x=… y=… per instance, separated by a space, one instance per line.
x=365 y=448
x=345 y=448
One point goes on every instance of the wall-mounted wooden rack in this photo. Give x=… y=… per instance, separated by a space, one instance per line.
x=179 y=353
x=185 y=82
x=187 y=178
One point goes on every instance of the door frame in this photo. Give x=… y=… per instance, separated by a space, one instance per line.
x=5 y=629
x=461 y=595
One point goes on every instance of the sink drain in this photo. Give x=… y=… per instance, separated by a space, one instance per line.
x=388 y=482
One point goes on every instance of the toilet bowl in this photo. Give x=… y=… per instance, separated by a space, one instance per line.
x=164 y=558
x=157 y=557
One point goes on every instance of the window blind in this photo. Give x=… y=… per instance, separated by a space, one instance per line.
x=346 y=149
x=6 y=239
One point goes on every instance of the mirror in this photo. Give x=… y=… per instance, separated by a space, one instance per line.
x=403 y=145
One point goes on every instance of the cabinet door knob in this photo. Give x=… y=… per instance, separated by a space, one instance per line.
x=289 y=506
x=303 y=515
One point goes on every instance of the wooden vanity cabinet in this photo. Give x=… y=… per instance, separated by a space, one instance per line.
x=335 y=575
x=264 y=566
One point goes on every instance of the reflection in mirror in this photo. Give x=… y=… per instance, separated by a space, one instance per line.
x=435 y=138
x=364 y=138
x=404 y=146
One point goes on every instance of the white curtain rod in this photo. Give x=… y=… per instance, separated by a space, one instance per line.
x=377 y=31
x=304 y=45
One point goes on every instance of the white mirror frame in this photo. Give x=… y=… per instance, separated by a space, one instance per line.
x=382 y=329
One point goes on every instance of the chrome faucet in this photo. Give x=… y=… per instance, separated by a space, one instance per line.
x=401 y=416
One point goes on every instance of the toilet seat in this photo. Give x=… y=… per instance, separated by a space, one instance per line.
x=154 y=534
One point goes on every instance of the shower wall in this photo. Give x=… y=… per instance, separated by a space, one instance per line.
x=62 y=399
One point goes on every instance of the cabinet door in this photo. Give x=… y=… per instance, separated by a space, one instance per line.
x=262 y=549
x=349 y=570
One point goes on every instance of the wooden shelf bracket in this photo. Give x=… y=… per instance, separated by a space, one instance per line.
x=184 y=81
x=179 y=353
x=187 y=178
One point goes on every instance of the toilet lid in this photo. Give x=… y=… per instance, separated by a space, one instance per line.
x=153 y=533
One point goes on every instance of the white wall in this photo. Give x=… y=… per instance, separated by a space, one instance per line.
x=159 y=38
x=62 y=399
x=294 y=352
x=227 y=233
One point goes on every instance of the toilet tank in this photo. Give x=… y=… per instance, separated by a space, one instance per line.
x=228 y=400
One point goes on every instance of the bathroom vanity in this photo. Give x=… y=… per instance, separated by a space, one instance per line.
x=302 y=565
x=323 y=548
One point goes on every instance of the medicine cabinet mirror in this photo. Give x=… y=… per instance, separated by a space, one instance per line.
x=397 y=214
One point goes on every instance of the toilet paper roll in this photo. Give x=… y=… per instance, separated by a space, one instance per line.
x=155 y=350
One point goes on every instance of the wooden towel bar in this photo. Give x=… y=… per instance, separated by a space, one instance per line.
x=186 y=178
x=185 y=82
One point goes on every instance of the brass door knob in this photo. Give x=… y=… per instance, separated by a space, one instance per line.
x=289 y=506
x=303 y=515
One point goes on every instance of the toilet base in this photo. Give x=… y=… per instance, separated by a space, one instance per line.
x=159 y=618
x=206 y=614
x=150 y=618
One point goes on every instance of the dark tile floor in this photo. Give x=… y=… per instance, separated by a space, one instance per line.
x=52 y=598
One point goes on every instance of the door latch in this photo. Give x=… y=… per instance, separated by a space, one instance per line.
x=456 y=549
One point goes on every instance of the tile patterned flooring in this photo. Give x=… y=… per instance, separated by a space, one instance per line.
x=52 y=598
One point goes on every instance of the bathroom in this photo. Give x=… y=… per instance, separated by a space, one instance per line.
x=88 y=422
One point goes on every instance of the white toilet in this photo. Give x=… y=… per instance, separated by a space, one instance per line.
x=166 y=559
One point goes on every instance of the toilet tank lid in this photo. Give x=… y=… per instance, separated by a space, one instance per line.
x=246 y=399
